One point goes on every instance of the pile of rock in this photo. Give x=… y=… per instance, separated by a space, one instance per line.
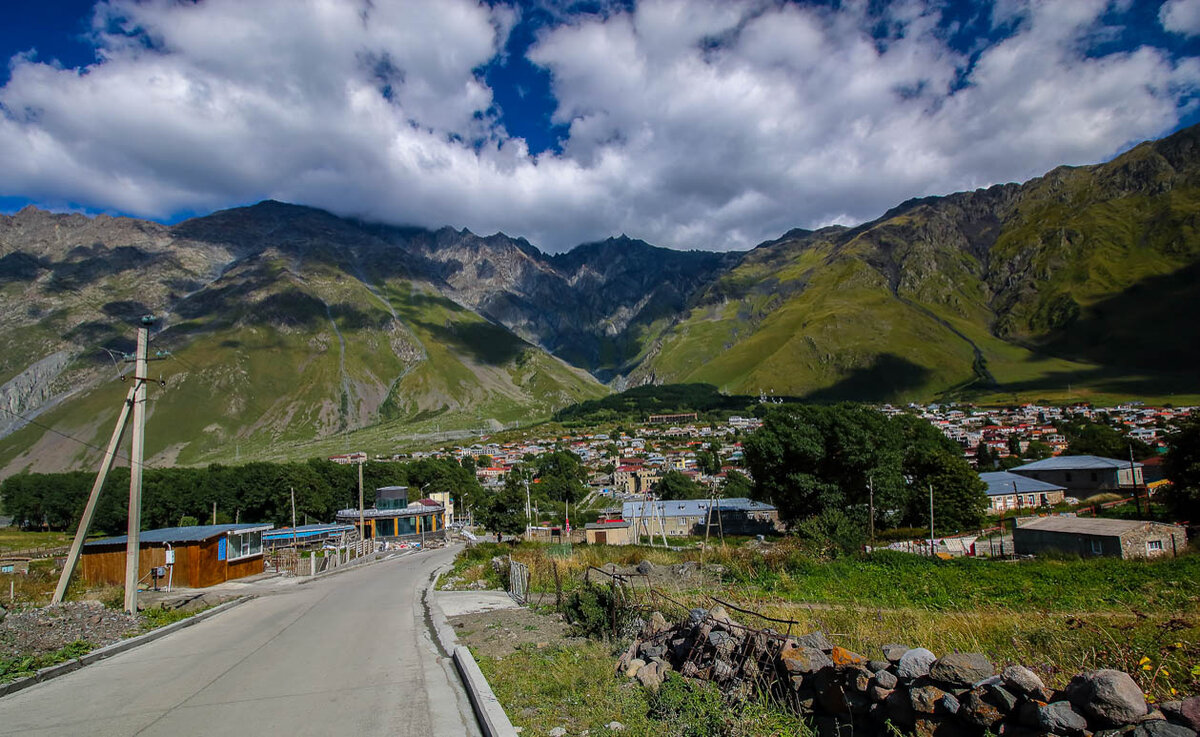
x=907 y=688
x=44 y=630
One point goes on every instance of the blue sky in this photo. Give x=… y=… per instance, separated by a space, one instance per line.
x=710 y=124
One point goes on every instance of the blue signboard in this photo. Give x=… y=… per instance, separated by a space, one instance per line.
x=221 y=549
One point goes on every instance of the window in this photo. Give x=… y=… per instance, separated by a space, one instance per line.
x=1154 y=546
x=1097 y=547
x=244 y=544
x=6 y=568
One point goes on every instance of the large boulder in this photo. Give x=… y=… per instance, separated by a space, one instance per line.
x=961 y=669
x=1161 y=728
x=1021 y=680
x=651 y=675
x=816 y=640
x=801 y=660
x=1185 y=713
x=926 y=699
x=1060 y=718
x=893 y=652
x=1109 y=696
x=915 y=663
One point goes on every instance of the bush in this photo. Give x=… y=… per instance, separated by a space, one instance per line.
x=589 y=611
x=694 y=708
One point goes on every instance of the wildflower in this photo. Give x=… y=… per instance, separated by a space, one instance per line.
x=1166 y=672
x=1145 y=667
x=1143 y=661
x=1173 y=692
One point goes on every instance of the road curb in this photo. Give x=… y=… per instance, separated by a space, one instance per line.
x=488 y=711
x=54 y=671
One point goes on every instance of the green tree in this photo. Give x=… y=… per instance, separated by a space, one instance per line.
x=959 y=495
x=1182 y=466
x=561 y=476
x=504 y=511
x=736 y=485
x=675 y=485
x=985 y=459
x=1037 y=450
x=1092 y=438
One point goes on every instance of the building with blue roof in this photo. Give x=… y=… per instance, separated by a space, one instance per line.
x=1008 y=491
x=199 y=555
x=1085 y=474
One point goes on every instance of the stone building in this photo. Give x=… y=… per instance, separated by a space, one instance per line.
x=1090 y=537
x=1085 y=474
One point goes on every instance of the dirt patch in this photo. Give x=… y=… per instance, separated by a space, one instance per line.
x=501 y=632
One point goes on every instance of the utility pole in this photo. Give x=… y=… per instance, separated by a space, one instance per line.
x=528 y=512
x=133 y=543
x=1137 y=504
x=214 y=517
x=931 y=541
x=362 y=525
x=89 y=511
x=871 y=508
x=292 y=489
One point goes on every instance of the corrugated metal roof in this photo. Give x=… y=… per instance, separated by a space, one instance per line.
x=1085 y=525
x=606 y=525
x=1074 y=463
x=691 y=507
x=305 y=531
x=1000 y=483
x=172 y=535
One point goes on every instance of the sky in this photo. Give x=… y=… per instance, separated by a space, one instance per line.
x=697 y=124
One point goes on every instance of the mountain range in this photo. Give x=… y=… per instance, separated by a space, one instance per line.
x=287 y=331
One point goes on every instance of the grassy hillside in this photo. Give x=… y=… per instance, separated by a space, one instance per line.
x=1078 y=285
x=279 y=360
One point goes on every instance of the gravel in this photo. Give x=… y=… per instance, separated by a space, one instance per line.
x=45 y=630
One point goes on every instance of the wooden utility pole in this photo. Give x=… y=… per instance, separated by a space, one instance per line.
x=133 y=541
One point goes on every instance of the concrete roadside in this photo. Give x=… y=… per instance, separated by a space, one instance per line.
x=490 y=713
x=54 y=671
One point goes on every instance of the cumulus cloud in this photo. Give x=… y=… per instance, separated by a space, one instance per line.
x=692 y=124
x=1181 y=16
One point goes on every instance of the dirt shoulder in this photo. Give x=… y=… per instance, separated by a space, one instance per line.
x=499 y=633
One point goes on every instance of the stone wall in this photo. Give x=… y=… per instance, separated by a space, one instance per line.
x=909 y=689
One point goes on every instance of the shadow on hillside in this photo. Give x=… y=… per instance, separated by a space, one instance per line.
x=886 y=379
x=481 y=341
x=1151 y=325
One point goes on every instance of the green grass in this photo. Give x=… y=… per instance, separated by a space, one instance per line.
x=897 y=580
x=156 y=617
x=575 y=688
x=27 y=665
x=12 y=538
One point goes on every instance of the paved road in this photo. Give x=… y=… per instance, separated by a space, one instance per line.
x=345 y=654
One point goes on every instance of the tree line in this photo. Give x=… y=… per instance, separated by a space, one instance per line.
x=253 y=492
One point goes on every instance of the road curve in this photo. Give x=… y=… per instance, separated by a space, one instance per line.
x=345 y=654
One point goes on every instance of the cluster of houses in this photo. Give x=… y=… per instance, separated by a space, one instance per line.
x=1003 y=429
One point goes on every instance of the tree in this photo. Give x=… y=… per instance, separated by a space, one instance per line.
x=1037 y=450
x=674 y=485
x=1092 y=438
x=561 y=476
x=736 y=485
x=1182 y=466
x=808 y=459
x=504 y=511
x=709 y=461
x=985 y=459
x=959 y=495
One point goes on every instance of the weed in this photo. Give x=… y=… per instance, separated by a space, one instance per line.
x=27 y=665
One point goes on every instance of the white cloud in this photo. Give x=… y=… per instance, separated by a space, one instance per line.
x=710 y=123
x=1181 y=16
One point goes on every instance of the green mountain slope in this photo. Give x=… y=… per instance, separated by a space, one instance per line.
x=311 y=342
x=1079 y=283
